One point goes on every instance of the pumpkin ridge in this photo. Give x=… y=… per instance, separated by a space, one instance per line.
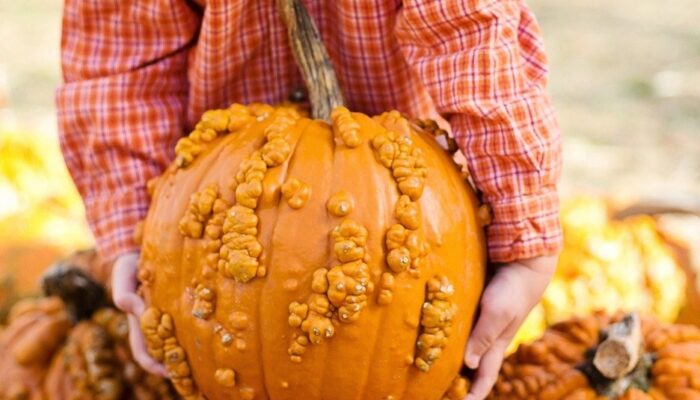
x=284 y=168
x=382 y=311
x=266 y=135
x=350 y=157
x=241 y=249
x=212 y=154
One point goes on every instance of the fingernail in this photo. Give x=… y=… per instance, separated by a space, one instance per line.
x=472 y=361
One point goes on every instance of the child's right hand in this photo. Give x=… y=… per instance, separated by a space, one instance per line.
x=124 y=284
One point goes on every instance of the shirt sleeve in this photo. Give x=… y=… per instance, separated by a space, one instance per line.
x=120 y=109
x=483 y=63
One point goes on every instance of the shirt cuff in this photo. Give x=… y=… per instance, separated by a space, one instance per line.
x=524 y=227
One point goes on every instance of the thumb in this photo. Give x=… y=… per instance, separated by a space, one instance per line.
x=139 y=350
x=124 y=284
x=493 y=321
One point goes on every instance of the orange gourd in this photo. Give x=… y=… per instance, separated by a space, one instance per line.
x=558 y=365
x=72 y=346
x=95 y=363
x=36 y=329
x=285 y=257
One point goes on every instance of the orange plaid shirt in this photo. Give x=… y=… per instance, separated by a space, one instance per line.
x=138 y=75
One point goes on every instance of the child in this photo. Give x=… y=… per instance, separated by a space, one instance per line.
x=138 y=75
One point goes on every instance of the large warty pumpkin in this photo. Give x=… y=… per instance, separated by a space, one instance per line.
x=285 y=257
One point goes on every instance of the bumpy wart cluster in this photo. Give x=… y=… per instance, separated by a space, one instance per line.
x=396 y=151
x=231 y=231
x=436 y=321
x=163 y=346
x=91 y=363
x=458 y=389
x=407 y=249
x=240 y=249
x=346 y=129
x=141 y=384
x=212 y=124
x=339 y=293
x=296 y=193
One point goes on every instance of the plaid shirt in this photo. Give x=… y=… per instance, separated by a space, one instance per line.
x=139 y=74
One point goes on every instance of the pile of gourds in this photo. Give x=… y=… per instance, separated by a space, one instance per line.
x=603 y=357
x=71 y=345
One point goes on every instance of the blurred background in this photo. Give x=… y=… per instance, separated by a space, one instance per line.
x=626 y=83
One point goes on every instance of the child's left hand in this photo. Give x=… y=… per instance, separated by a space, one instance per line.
x=514 y=290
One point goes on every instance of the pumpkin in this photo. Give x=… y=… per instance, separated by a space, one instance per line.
x=285 y=257
x=605 y=357
x=606 y=264
x=36 y=329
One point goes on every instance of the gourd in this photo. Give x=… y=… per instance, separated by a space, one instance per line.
x=36 y=330
x=95 y=363
x=605 y=357
x=71 y=345
x=285 y=257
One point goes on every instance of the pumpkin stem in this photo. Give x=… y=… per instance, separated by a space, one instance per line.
x=618 y=354
x=618 y=362
x=312 y=59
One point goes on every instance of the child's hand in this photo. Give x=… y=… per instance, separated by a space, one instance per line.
x=124 y=285
x=514 y=290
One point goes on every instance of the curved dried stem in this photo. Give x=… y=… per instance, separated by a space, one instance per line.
x=312 y=59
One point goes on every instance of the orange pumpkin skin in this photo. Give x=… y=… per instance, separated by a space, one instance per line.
x=36 y=329
x=547 y=369
x=286 y=258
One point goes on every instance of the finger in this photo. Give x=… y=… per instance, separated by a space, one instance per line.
x=139 y=351
x=487 y=373
x=491 y=325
